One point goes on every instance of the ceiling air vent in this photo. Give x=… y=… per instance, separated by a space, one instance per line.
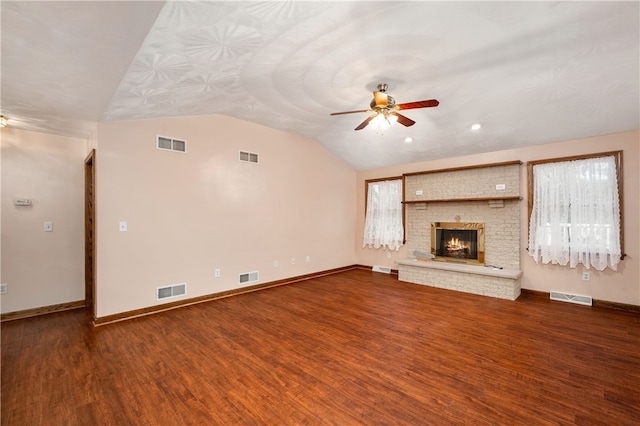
x=248 y=278
x=248 y=157
x=171 y=144
x=171 y=291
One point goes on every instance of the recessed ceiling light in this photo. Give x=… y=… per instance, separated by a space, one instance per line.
x=408 y=139
x=476 y=126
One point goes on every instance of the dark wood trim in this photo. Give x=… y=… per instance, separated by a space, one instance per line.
x=384 y=179
x=90 y=232
x=455 y=169
x=366 y=200
x=619 y=166
x=123 y=316
x=404 y=210
x=366 y=188
x=615 y=305
x=604 y=304
x=43 y=310
x=535 y=292
x=457 y=200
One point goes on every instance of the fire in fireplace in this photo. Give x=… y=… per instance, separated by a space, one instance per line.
x=458 y=242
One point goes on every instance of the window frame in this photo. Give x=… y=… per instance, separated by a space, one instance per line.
x=618 y=160
x=366 y=200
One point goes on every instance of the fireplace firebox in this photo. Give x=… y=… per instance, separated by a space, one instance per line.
x=458 y=242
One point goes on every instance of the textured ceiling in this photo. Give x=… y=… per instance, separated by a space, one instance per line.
x=529 y=72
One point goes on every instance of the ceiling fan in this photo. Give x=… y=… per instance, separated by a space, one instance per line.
x=384 y=108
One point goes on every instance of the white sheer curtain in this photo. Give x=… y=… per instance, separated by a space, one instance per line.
x=383 y=223
x=576 y=213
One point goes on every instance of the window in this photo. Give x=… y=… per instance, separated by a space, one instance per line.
x=575 y=213
x=383 y=222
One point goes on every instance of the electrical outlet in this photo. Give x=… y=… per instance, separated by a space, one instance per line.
x=4 y=288
x=48 y=227
x=216 y=273
x=275 y=263
x=501 y=187
x=586 y=276
x=308 y=259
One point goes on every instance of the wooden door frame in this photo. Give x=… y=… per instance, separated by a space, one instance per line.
x=90 y=233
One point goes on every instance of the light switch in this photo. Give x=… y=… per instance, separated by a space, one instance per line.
x=123 y=226
x=48 y=227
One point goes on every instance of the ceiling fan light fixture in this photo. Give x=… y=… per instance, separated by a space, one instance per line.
x=383 y=110
x=391 y=118
x=383 y=120
x=378 y=120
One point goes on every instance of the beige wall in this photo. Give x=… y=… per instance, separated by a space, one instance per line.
x=42 y=268
x=189 y=214
x=622 y=286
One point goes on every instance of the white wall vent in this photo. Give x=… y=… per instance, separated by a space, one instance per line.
x=248 y=278
x=248 y=157
x=171 y=291
x=571 y=298
x=170 y=144
x=383 y=269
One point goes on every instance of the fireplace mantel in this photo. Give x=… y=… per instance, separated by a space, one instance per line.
x=457 y=200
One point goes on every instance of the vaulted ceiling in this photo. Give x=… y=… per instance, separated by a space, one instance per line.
x=528 y=72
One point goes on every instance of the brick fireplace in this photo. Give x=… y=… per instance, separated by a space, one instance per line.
x=463 y=199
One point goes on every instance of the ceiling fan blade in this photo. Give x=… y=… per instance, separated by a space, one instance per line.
x=405 y=121
x=349 y=112
x=365 y=122
x=419 y=104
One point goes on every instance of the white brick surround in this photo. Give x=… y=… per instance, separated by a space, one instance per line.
x=446 y=195
x=485 y=281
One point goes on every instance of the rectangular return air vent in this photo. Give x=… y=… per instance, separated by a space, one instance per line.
x=171 y=291
x=170 y=144
x=248 y=157
x=248 y=278
x=383 y=269
x=571 y=298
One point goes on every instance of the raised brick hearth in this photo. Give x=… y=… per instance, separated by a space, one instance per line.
x=485 y=281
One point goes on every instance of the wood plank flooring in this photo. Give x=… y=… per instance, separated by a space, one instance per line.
x=354 y=348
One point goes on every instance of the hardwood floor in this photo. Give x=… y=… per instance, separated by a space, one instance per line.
x=347 y=349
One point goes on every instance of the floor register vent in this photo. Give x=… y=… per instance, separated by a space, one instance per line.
x=249 y=277
x=571 y=298
x=171 y=291
x=383 y=269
